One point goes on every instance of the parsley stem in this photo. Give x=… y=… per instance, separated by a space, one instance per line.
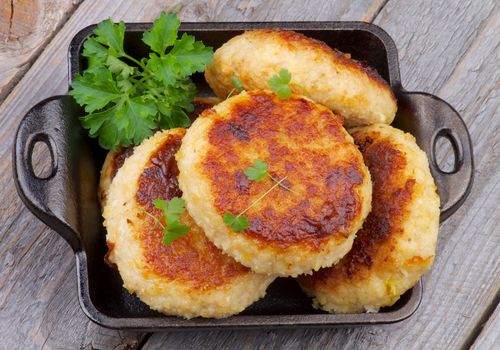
x=230 y=93
x=141 y=80
x=262 y=196
x=281 y=185
x=139 y=63
x=154 y=217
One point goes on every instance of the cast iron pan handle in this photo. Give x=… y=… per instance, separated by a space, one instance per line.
x=50 y=198
x=440 y=120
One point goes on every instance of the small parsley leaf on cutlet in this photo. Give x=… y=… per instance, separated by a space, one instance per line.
x=280 y=84
x=172 y=211
x=173 y=231
x=238 y=223
x=258 y=171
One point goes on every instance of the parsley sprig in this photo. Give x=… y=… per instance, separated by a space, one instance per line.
x=257 y=172
x=172 y=211
x=280 y=84
x=126 y=98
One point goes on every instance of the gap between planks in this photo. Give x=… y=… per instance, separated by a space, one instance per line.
x=376 y=9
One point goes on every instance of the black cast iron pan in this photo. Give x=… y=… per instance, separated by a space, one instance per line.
x=66 y=199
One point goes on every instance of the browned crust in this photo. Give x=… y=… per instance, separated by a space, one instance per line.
x=392 y=194
x=119 y=158
x=192 y=258
x=275 y=131
x=159 y=178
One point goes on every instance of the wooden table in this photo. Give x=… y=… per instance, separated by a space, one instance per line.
x=448 y=48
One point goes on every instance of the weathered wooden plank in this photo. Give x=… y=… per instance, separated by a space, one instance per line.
x=292 y=10
x=459 y=62
x=38 y=304
x=490 y=333
x=432 y=36
x=25 y=27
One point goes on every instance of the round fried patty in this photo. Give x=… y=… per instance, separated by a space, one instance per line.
x=398 y=240
x=327 y=76
x=292 y=231
x=188 y=277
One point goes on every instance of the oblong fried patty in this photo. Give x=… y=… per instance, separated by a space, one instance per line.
x=291 y=231
x=398 y=240
x=324 y=75
x=188 y=277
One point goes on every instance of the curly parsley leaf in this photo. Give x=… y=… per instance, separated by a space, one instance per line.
x=163 y=68
x=280 y=84
x=258 y=171
x=180 y=118
x=95 y=52
x=127 y=98
x=111 y=35
x=238 y=223
x=173 y=109
x=118 y=67
x=172 y=211
x=100 y=124
x=163 y=33
x=190 y=56
x=186 y=57
x=95 y=89
x=139 y=118
x=130 y=119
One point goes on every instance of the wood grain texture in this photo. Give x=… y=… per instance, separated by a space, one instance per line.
x=38 y=302
x=433 y=36
x=25 y=27
x=268 y=11
x=450 y=49
x=490 y=333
